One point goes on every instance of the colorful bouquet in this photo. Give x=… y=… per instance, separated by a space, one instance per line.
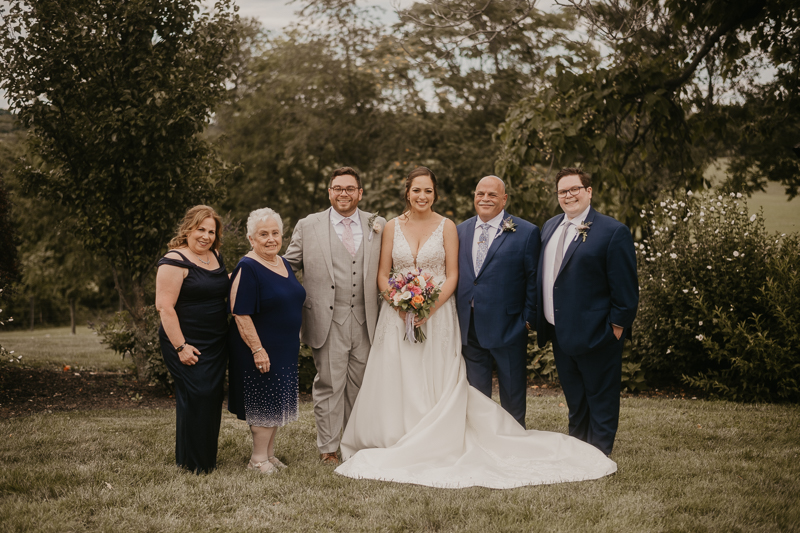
x=415 y=293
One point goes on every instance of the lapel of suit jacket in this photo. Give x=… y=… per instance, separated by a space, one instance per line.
x=470 y=236
x=322 y=227
x=549 y=229
x=576 y=242
x=366 y=242
x=496 y=244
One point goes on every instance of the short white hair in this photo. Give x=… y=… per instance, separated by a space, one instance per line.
x=261 y=215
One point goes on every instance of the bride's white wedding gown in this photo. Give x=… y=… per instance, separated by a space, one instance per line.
x=417 y=419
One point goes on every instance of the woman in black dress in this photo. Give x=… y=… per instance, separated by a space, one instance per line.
x=266 y=301
x=191 y=287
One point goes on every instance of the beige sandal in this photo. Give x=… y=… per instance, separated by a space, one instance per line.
x=260 y=466
x=276 y=462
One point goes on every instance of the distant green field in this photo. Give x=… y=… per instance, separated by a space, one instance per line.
x=56 y=347
x=780 y=215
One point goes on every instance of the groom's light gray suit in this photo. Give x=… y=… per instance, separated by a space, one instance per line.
x=339 y=315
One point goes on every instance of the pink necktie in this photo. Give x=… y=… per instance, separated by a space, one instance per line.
x=347 y=237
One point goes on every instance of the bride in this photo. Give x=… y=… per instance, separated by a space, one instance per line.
x=416 y=418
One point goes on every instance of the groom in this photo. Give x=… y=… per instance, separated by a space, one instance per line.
x=338 y=251
x=496 y=295
x=589 y=293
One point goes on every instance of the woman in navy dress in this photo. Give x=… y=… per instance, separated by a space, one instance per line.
x=191 y=286
x=266 y=301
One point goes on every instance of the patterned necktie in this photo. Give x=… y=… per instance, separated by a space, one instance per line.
x=560 y=251
x=347 y=237
x=483 y=247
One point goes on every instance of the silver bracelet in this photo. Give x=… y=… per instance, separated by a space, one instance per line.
x=257 y=350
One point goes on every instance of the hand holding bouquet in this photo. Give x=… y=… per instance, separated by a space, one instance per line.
x=415 y=293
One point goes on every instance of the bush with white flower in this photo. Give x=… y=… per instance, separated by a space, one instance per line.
x=720 y=299
x=6 y=355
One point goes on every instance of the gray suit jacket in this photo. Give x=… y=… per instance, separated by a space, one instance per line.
x=310 y=252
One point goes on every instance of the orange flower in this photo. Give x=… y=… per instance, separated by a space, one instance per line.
x=418 y=299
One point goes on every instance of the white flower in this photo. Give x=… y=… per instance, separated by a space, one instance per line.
x=752 y=218
x=711 y=208
x=735 y=253
x=421 y=281
x=738 y=195
x=746 y=233
x=673 y=256
x=699 y=337
x=11 y=319
x=700 y=323
x=396 y=298
x=662 y=204
x=733 y=195
x=669 y=350
x=719 y=198
x=685 y=291
x=656 y=233
x=702 y=213
x=689 y=193
x=658 y=254
x=674 y=217
x=708 y=267
x=702 y=220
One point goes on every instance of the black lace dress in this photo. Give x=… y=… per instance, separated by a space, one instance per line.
x=202 y=314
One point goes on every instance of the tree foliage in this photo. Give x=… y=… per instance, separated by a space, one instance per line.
x=114 y=95
x=652 y=113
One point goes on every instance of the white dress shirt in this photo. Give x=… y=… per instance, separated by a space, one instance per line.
x=355 y=226
x=548 y=274
x=495 y=224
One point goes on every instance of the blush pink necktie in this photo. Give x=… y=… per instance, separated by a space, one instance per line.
x=347 y=237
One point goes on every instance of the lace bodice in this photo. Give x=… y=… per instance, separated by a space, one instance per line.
x=430 y=257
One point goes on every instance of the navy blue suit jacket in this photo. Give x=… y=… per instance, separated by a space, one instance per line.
x=596 y=286
x=504 y=290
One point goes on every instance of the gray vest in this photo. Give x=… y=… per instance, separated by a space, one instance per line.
x=348 y=275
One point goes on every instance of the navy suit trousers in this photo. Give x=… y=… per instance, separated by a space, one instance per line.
x=591 y=384
x=512 y=373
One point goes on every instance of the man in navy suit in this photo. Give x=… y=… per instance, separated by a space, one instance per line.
x=496 y=295
x=588 y=295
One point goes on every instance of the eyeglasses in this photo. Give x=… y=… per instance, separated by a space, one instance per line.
x=573 y=191
x=349 y=190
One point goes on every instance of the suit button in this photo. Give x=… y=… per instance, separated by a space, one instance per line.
x=332 y=287
x=555 y=287
x=354 y=296
x=354 y=262
x=354 y=284
x=475 y=283
x=331 y=307
x=352 y=306
x=354 y=273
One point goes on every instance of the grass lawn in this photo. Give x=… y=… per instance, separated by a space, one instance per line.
x=683 y=466
x=780 y=215
x=56 y=347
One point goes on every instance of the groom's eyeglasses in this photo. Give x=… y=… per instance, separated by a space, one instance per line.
x=572 y=192
x=349 y=190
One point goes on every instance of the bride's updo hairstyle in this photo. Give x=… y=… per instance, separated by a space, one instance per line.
x=417 y=172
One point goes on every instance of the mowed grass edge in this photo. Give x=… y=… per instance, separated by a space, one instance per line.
x=683 y=466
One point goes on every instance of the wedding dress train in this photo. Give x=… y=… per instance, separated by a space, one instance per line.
x=417 y=420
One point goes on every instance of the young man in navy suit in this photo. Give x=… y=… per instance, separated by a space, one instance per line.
x=588 y=296
x=496 y=295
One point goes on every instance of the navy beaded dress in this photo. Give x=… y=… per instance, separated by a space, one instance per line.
x=199 y=388
x=275 y=305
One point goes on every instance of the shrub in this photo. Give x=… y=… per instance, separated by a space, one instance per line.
x=121 y=335
x=720 y=301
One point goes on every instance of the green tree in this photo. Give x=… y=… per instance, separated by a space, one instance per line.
x=649 y=116
x=332 y=90
x=115 y=95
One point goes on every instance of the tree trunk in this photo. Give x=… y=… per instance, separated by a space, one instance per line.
x=72 y=314
x=32 y=312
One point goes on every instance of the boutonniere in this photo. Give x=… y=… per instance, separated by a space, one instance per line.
x=508 y=225
x=374 y=225
x=583 y=229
